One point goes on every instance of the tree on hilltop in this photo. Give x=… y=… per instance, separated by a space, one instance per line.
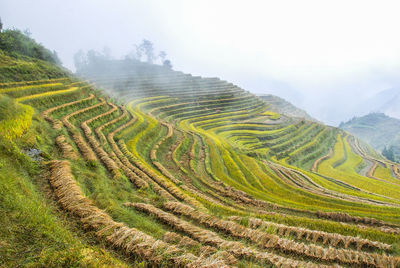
x=145 y=48
x=162 y=55
x=163 y=58
x=167 y=63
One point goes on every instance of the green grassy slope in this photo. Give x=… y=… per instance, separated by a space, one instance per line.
x=23 y=68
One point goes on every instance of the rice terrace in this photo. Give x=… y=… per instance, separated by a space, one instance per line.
x=131 y=162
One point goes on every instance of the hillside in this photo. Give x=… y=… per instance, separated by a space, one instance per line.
x=282 y=106
x=22 y=59
x=377 y=129
x=140 y=165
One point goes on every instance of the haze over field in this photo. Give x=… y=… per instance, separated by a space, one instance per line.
x=315 y=54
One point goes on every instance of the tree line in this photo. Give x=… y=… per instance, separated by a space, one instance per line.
x=144 y=52
x=15 y=42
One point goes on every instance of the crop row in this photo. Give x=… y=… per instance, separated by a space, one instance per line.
x=284 y=149
x=191 y=181
x=323 y=137
x=300 y=127
x=117 y=234
x=101 y=154
x=214 y=115
x=25 y=88
x=47 y=93
x=235 y=248
x=204 y=104
x=270 y=241
x=319 y=160
x=343 y=217
x=330 y=239
x=57 y=124
x=183 y=94
x=196 y=112
x=188 y=182
x=34 y=82
x=85 y=149
x=67 y=150
x=346 y=173
x=45 y=102
x=168 y=186
x=200 y=98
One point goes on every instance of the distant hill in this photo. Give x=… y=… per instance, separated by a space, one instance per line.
x=386 y=101
x=282 y=106
x=377 y=129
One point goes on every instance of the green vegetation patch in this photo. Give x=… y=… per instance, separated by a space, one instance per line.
x=15 y=118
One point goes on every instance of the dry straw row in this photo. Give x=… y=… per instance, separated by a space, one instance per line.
x=184 y=241
x=111 y=161
x=165 y=172
x=103 y=156
x=133 y=177
x=204 y=251
x=113 y=109
x=66 y=118
x=84 y=148
x=344 y=217
x=331 y=239
x=384 y=229
x=235 y=248
x=131 y=240
x=67 y=150
x=266 y=240
x=99 y=130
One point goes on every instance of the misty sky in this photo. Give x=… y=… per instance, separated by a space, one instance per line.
x=324 y=56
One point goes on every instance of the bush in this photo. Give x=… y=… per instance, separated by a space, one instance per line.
x=15 y=42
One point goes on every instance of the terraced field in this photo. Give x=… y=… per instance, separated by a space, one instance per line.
x=166 y=168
